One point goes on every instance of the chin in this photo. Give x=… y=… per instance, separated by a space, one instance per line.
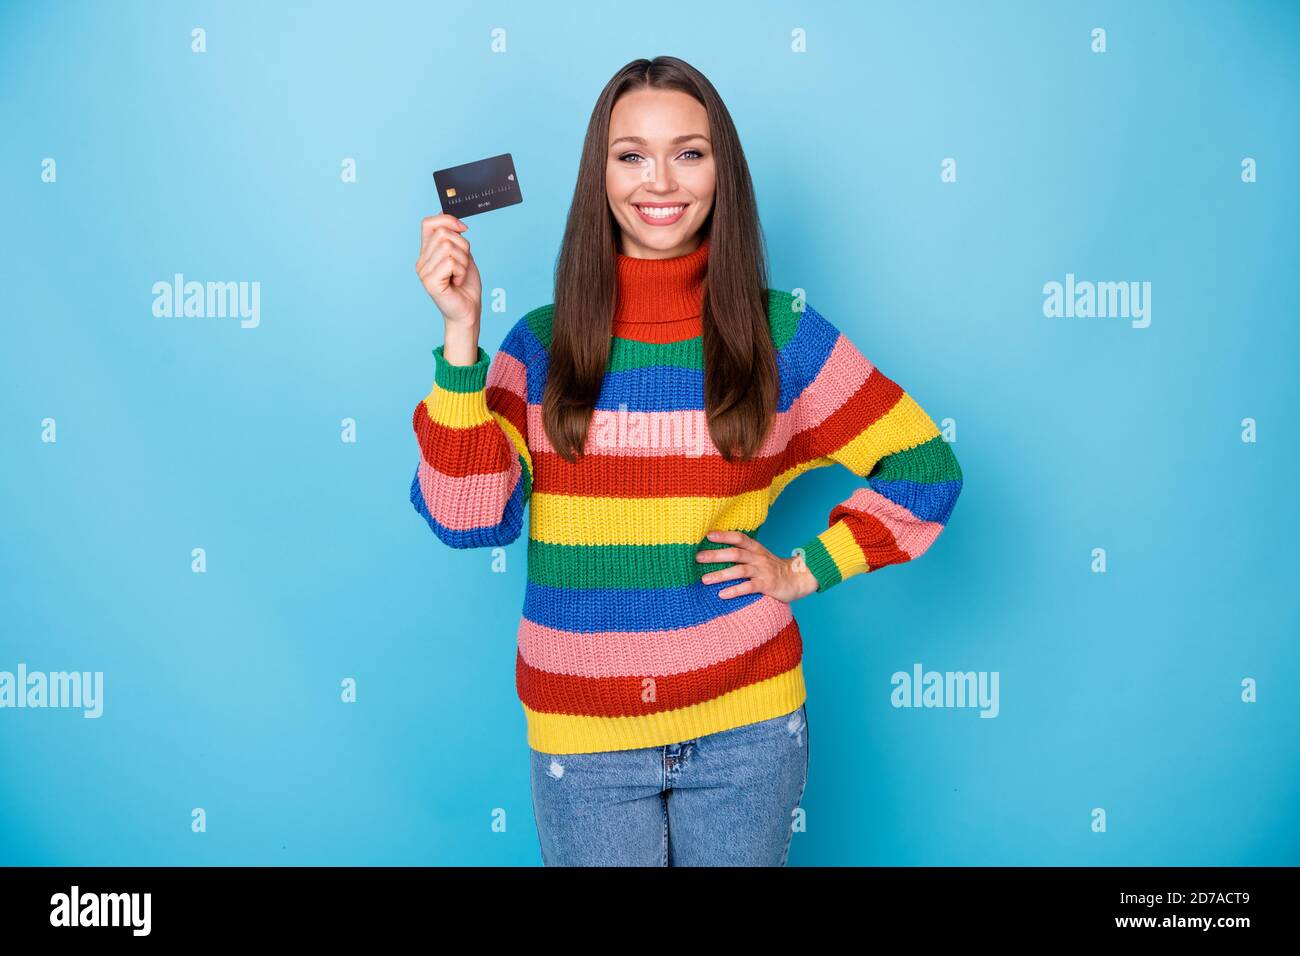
x=661 y=239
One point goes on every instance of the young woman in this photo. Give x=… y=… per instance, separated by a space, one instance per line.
x=649 y=417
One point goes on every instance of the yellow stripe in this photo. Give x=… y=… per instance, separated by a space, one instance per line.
x=581 y=520
x=569 y=734
x=902 y=427
x=516 y=439
x=844 y=549
x=458 y=409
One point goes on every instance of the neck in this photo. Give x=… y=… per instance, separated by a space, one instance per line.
x=661 y=300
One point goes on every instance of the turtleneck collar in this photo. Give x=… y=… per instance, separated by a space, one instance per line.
x=661 y=300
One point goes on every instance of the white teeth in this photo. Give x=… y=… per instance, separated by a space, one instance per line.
x=666 y=212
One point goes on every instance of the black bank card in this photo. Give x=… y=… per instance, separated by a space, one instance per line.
x=478 y=187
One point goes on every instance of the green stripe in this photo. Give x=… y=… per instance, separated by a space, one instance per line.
x=821 y=564
x=930 y=462
x=620 y=566
x=627 y=354
x=539 y=321
x=783 y=318
x=460 y=378
x=526 y=476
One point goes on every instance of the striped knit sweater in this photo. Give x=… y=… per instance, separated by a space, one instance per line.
x=620 y=644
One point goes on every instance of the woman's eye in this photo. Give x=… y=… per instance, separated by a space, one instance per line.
x=688 y=154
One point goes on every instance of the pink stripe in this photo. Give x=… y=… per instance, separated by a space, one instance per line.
x=911 y=534
x=509 y=373
x=680 y=432
x=653 y=653
x=841 y=375
x=472 y=501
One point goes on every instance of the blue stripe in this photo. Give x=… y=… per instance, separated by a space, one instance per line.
x=656 y=388
x=929 y=501
x=521 y=342
x=659 y=388
x=811 y=345
x=590 y=610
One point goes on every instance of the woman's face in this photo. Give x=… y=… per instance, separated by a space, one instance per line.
x=660 y=160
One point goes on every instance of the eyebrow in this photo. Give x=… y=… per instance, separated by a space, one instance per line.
x=676 y=139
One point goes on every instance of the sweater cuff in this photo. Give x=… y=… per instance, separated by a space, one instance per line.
x=461 y=378
x=833 y=556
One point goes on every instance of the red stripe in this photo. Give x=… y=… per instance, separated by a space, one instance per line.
x=510 y=406
x=871 y=402
x=652 y=476
x=483 y=449
x=872 y=536
x=622 y=696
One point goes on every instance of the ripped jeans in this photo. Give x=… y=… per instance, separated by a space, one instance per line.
x=724 y=799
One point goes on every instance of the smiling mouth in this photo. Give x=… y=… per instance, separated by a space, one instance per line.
x=660 y=214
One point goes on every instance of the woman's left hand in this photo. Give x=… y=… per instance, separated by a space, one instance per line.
x=786 y=579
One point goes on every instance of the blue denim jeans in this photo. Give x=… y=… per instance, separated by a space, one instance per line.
x=724 y=799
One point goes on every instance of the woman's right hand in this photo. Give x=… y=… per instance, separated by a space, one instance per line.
x=448 y=272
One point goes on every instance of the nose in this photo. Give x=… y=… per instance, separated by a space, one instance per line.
x=653 y=181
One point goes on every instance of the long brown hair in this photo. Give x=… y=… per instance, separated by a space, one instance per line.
x=740 y=375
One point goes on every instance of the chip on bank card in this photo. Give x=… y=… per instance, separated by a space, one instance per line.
x=478 y=187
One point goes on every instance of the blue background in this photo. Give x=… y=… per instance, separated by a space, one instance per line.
x=1118 y=690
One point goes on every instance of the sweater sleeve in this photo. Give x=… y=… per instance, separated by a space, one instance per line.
x=851 y=413
x=475 y=472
